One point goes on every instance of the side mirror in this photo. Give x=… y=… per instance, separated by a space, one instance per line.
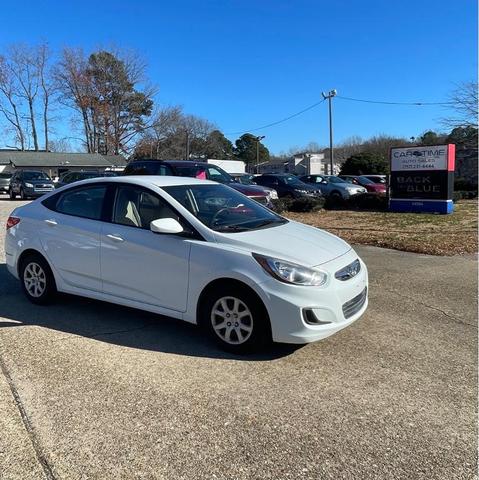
x=324 y=181
x=166 y=226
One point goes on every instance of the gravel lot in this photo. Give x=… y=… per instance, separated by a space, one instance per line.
x=95 y=391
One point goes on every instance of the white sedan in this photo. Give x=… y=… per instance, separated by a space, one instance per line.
x=190 y=249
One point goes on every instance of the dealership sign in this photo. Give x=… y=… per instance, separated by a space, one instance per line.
x=422 y=179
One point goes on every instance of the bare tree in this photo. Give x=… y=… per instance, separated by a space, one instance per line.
x=174 y=135
x=23 y=64
x=60 y=145
x=9 y=101
x=464 y=103
x=75 y=89
x=46 y=84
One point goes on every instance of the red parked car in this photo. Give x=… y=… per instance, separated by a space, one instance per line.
x=371 y=187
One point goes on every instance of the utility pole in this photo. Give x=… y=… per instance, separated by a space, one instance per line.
x=258 y=139
x=187 y=145
x=329 y=96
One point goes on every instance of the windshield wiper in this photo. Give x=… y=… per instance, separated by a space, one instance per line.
x=230 y=228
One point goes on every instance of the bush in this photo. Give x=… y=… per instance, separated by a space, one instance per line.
x=279 y=205
x=300 y=205
x=305 y=204
x=464 y=184
x=464 y=195
x=361 y=201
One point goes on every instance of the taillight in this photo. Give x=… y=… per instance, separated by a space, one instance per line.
x=12 y=221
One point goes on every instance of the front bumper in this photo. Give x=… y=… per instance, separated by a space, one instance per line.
x=331 y=304
x=36 y=192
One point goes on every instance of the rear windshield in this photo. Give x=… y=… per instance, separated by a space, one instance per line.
x=147 y=168
x=5 y=175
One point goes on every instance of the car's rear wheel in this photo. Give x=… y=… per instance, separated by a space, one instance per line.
x=236 y=319
x=37 y=279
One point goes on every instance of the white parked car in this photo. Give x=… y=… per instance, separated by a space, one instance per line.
x=191 y=249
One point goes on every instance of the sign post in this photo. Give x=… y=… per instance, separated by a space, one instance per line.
x=422 y=179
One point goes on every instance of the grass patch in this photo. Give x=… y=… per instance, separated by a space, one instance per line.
x=413 y=232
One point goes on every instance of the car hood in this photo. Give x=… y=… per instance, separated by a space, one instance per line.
x=250 y=190
x=39 y=182
x=378 y=187
x=293 y=241
x=306 y=186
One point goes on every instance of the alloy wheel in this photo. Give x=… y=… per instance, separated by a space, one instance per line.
x=232 y=320
x=35 y=279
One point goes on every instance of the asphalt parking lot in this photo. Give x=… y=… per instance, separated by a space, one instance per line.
x=90 y=390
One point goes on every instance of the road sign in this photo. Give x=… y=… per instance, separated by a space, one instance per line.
x=422 y=179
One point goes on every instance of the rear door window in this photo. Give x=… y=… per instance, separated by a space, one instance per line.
x=82 y=202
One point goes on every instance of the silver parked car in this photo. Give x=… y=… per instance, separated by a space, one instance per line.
x=5 y=182
x=332 y=186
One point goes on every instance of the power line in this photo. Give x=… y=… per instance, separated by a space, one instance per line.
x=393 y=103
x=343 y=98
x=279 y=121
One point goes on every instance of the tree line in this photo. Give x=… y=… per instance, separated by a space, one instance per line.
x=113 y=108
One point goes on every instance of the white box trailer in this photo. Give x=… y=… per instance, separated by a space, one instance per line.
x=230 y=166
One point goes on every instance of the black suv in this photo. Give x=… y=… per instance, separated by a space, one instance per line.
x=201 y=170
x=70 y=177
x=288 y=185
x=30 y=184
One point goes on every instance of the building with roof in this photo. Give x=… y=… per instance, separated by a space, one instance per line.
x=56 y=163
x=304 y=163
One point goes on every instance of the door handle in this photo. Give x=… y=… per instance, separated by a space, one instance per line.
x=115 y=238
x=50 y=222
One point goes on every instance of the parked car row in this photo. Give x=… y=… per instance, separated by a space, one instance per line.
x=262 y=188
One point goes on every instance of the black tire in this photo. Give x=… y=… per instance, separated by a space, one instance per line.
x=22 y=194
x=258 y=320
x=336 y=196
x=11 y=194
x=47 y=289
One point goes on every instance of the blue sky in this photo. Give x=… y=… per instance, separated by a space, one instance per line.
x=243 y=64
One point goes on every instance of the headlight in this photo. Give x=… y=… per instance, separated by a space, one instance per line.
x=293 y=273
x=349 y=271
x=273 y=195
x=29 y=185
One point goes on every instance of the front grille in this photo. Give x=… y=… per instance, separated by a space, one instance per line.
x=262 y=200
x=355 y=304
x=43 y=187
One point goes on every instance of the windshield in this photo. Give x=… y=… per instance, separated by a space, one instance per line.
x=85 y=176
x=35 y=176
x=364 y=180
x=335 y=180
x=223 y=209
x=292 y=180
x=245 y=180
x=377 y=179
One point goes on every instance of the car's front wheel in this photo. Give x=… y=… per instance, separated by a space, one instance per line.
x=37 y=279
x=11 y=193
x=22 y=194
x=236 y=319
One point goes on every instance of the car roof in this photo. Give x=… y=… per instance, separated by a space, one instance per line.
x=149 y=180
x=172 y=162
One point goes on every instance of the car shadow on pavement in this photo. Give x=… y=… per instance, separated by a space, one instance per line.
x=116 y=324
